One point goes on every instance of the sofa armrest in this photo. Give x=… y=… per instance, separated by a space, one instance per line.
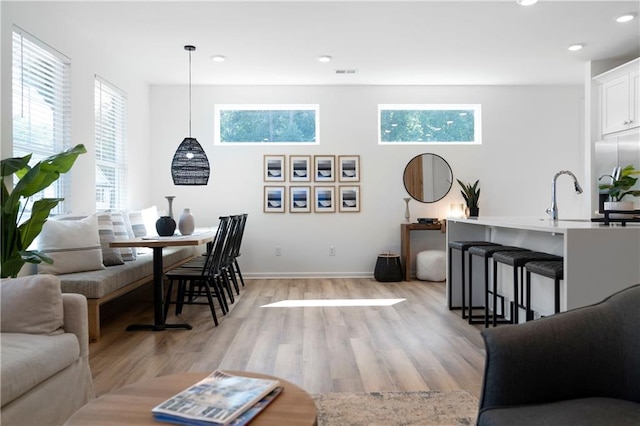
x=76 y=319
x=570 y=355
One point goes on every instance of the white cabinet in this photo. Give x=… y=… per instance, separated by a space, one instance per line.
x=620 y=98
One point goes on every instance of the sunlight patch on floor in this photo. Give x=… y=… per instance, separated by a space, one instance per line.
x=332 y=303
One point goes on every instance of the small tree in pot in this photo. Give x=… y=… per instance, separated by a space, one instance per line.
x=17 y=235
x=471 y=194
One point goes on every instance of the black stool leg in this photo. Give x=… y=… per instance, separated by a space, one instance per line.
x=557 y=294
x=528 y=297
x=516 y=298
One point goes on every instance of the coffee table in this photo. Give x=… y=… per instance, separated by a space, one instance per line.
x=132 y=404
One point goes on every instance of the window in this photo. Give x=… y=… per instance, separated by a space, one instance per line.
x=111 y=167
x=41 y=92
x=266 y=124
x=429 y=124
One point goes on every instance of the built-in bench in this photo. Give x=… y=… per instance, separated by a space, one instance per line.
x=106 y=284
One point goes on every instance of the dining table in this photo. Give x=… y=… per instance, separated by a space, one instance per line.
x=157 y=243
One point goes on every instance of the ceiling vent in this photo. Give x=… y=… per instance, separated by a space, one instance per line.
x=346 y=71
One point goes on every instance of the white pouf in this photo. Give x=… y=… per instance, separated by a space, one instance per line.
x=430 y=265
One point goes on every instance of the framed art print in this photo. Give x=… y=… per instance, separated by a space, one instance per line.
x=274 y=168
x=349 y=168
x=299 y=199
x=349 y=198
x=324 y=168
x=324 y=199
x=299 y=168
x=274 y=199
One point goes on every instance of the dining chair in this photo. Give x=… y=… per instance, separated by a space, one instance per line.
x=194 y=282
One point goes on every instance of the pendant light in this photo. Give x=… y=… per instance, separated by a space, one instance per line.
x=190 y=165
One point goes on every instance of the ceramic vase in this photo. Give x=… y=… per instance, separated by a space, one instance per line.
x=407 y=214
x=170 y=200
x=186 y=223
x=165 y=226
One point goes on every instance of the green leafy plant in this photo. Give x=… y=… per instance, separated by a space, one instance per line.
x=470 y=193
x=17 y=235
x=621 y=187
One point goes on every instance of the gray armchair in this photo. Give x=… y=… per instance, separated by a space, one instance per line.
x=580 y=367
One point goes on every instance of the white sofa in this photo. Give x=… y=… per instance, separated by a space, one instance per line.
x=44 y=341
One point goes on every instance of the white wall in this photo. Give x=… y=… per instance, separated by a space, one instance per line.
x=86 y=62
x=529 y=133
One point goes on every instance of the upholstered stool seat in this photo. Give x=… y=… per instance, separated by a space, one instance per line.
x=517 y=259
x=551 y=269
x=487 y=252
x=463 y=246
x=430 y=265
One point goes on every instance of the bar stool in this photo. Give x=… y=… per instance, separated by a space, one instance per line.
x=551 y=269
x=516 y=259
x=487 y=252
x=463 y=246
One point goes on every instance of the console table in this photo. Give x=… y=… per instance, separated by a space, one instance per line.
x=405 y=241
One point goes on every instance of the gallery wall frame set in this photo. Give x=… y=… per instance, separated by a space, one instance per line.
x=302 y=169
x=317 y=198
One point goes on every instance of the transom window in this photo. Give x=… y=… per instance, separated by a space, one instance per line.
x=429 y=124
x=266 y=124
x=111 y=166
x=41 y=106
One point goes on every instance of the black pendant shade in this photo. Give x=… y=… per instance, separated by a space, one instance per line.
x=190 y=165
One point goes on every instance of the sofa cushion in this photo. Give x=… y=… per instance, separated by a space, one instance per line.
x=97 y=284
x=110 y=256
x=121 y=233
x=31 y=304
x=74 y=246
x=27 y=360
x=583 y=412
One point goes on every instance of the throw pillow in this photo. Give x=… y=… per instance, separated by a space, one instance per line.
x=150 y=216
x=137 y=224
x=110 y=256
x=74 y=246
x=121 y=233
x=31 y=304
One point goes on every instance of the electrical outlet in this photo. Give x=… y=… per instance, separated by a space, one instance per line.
x=278 y=251
x=332 y=251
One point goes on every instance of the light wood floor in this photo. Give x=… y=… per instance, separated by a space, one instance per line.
x=414 y=345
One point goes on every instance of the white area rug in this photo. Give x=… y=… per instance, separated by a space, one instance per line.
x=396 y=408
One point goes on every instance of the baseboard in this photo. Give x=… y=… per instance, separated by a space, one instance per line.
x=276 y=275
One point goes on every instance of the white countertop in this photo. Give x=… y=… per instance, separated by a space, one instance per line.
x=541 y=224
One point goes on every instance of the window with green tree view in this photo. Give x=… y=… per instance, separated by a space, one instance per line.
x=266 y=124
x=426 y=124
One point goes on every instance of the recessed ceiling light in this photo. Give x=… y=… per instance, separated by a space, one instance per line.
x=626 y=17
x=526 y=2
x=576 y=47
x=218 y=58
x=324 y=58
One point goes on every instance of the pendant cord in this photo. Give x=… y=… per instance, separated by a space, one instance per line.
x=189 y=94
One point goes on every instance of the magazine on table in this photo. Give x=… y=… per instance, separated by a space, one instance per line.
x=219 y=399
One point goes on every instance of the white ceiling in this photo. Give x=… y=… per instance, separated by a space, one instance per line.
x=387 y=42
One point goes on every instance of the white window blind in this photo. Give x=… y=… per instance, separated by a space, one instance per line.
x=111 y=165
x=41 y=91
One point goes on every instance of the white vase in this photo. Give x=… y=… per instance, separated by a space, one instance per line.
x=186 y=223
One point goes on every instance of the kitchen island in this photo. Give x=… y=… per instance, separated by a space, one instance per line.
x=599 y=259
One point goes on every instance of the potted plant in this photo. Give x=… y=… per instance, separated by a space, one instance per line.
x=471 y=194
x=18 y=234
x=620 y=187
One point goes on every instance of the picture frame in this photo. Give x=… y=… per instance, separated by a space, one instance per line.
x=349 y=198
x=300 y=168
x=275 y=199
x=324 y=199
x=300 y=199
x=324 y=168
x=274 y=168
x=349 y=168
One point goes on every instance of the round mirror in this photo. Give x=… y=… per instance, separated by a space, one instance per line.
x=428 y=178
